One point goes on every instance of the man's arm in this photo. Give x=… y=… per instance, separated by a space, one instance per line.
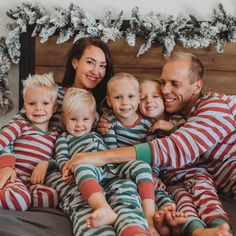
x=208 y=125
x=101 y=158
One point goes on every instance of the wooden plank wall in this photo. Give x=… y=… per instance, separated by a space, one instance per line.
x=220 y=67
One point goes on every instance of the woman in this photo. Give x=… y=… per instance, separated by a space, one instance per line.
x=89 y=66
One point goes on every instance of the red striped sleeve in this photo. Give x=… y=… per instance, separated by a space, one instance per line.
x=210 y=124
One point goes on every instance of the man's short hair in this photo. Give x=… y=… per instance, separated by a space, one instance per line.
x=196 y=68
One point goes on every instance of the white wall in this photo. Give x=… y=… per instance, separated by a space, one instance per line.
x=202 y=9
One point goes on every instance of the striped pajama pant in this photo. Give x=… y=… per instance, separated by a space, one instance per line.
x=224 y=173
x=21 y=195
x=89 y=176
x=121 y=194
x=195 y=193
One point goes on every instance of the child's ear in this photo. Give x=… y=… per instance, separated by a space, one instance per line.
x=108 y=101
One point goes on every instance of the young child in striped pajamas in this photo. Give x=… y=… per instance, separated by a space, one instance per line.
x=152 y=106
x=32 y=141
x=129 y=127
x=79 y=116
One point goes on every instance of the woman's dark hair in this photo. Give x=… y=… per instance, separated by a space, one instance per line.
x=77 y=51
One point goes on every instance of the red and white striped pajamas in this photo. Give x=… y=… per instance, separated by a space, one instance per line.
x=194 y=192
x=30 y=147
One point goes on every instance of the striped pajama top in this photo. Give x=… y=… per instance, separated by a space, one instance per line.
x=30 y=145
x=67 y=145
x=120 y=135
x=207 y=133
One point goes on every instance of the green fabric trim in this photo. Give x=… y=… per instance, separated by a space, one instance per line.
x=144 y=152
x=192 y=225
x=52 y=165
x=217 y=222
x=172 y=130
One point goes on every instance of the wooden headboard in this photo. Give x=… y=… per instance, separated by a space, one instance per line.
x=49 y=56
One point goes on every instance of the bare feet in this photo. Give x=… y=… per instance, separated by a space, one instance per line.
x=169 y=207
x=176 y=221
x=222 y=230
x=100 y=217
x=161 y=224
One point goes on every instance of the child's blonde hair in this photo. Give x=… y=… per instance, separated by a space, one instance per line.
x=157 y=81
x=120 y=76
x=76 y=97
x=41 y=81
x=141 y=81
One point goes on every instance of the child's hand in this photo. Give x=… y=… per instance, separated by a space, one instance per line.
x=69 y=179
x=158 y=184
x=64 y=169
x=7 y=173
x=162 y=125
x=39 y=173
x=67 y=176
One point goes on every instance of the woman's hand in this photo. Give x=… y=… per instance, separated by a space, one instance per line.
x=39 y=173
x=103 y=125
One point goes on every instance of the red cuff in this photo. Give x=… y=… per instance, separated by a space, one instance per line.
x=133 y=230
x=89 y=187
x=146 y=190
x=7 y=160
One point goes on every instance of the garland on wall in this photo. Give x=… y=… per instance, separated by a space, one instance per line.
x=75 y=23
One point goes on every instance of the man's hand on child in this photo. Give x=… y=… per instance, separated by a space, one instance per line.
x=7 y=173
x=162 y=125
x=85 y=157
x=39 y=173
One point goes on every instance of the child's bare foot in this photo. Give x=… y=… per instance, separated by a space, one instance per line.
x=176 y=220
x=222 y=230
x=161 y=224
x=100 y=217
x=168 y=207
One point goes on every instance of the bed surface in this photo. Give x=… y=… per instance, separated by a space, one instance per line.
x=52 y=222
x=34 y=222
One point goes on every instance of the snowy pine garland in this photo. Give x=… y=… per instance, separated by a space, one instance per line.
x=75 y=23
